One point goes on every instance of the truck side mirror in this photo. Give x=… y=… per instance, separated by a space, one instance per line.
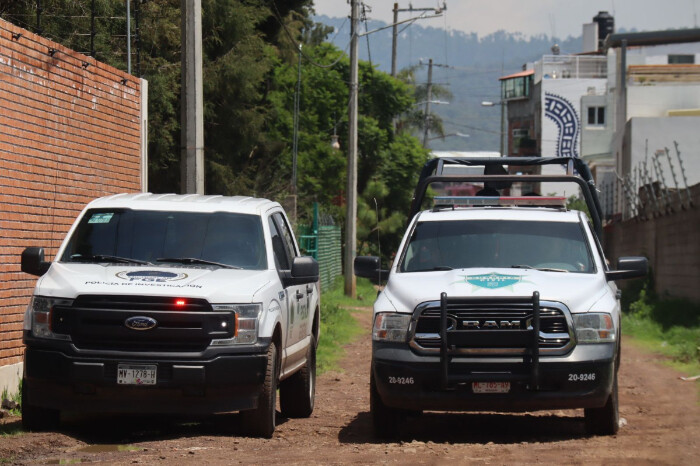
x=304 y=270
x=628 y=267
x=370 y=267
x=33 y=261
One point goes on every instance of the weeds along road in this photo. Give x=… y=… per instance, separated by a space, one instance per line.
x=661 y=412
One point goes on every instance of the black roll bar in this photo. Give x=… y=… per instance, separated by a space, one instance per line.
x=435 y=167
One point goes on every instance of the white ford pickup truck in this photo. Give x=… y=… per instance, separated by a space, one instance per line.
x=172 y=304
x=497 y=301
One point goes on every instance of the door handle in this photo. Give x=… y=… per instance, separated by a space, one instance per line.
x=309 y=289
x=299 y=295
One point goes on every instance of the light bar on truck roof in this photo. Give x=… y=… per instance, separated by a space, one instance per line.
x=499 y=201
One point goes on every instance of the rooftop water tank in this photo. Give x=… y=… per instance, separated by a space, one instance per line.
x=606 y=25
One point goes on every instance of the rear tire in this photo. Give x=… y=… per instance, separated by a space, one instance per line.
x=385 y=420
x=35 y=418
x=298 y=392
x=260 y=422
x=605 y=420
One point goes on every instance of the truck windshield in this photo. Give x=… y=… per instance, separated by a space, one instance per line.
x=125 y=235
x=550 y=246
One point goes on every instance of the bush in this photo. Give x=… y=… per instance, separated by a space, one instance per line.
x=670 y=325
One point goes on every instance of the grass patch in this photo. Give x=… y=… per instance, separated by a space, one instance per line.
x=667 y=326
x=338 y=327
x=335 y=295
x=14 y=396
x=11 y=429
x=681 y=344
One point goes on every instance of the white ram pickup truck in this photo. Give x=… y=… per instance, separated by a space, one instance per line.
x=172 y=304
x=497 y=302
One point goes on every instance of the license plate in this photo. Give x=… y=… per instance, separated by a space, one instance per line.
x=491 y=387
x=132 y=374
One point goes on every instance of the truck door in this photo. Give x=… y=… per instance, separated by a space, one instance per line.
x=296 y=297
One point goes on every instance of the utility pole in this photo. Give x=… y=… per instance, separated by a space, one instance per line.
x=395 y=33
x=426 y=117
x=504 y=136
x=191 y=118
x=128 y=36
x=351 y=197
x=394 y=37
x=92 y=30
x=137 y=28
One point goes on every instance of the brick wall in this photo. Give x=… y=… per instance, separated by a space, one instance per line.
x=70 y=131
x=672 y=244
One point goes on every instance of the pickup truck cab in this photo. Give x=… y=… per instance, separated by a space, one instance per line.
x=172 y=304
x=497 y=303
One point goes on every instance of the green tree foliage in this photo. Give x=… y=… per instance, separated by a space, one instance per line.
x=388 y=164
x=250 y=66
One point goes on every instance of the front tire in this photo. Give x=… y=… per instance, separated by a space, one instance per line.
x=260 y=422
x=298 y=392
x=605 y=420
x=386 y=420
x=36 y=418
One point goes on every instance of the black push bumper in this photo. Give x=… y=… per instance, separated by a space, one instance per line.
x=218 y=380
x=581 y=379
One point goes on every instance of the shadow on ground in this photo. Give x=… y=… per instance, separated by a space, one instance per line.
x=126 y=429
x=471 y=428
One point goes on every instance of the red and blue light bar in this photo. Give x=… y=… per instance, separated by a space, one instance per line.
x=499 y=201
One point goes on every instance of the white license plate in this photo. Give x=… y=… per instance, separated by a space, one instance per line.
x=491 y=387
x=136 y=374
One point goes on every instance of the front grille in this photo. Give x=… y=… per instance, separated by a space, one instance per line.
x=142 y=303
x=97 y=322
x=504 y=319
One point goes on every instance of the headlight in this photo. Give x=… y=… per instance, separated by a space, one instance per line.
x=247 y=316
x=594 y=328
x=389 y=326
x=38 y=317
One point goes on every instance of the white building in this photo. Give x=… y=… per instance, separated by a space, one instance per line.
x=619 y=108
x=651 y=103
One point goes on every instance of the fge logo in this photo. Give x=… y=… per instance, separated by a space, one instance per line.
x=151 y=276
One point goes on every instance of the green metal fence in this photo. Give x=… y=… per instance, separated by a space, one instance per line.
x=323 y=243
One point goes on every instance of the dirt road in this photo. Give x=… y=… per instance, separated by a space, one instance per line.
x=661 y=412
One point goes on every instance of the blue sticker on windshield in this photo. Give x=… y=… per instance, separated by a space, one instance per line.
x=102 y=217
x=492 y=280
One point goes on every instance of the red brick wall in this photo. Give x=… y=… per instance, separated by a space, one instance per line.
x=69 y=132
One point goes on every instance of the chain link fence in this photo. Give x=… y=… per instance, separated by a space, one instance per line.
x=322 y=241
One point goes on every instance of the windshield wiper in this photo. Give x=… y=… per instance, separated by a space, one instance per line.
x=434 y=269
x=107 y=258
x=543 y=269
x=195 y=260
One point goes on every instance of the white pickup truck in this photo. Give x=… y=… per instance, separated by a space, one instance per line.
x=498 y=301
x=172 y=304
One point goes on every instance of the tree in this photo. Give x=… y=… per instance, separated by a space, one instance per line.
x=250 y=59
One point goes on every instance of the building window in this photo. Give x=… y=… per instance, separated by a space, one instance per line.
x=681 y=59
x=516 y=88
x=596 y=116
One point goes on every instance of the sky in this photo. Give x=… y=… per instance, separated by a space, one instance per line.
x=555 y=18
